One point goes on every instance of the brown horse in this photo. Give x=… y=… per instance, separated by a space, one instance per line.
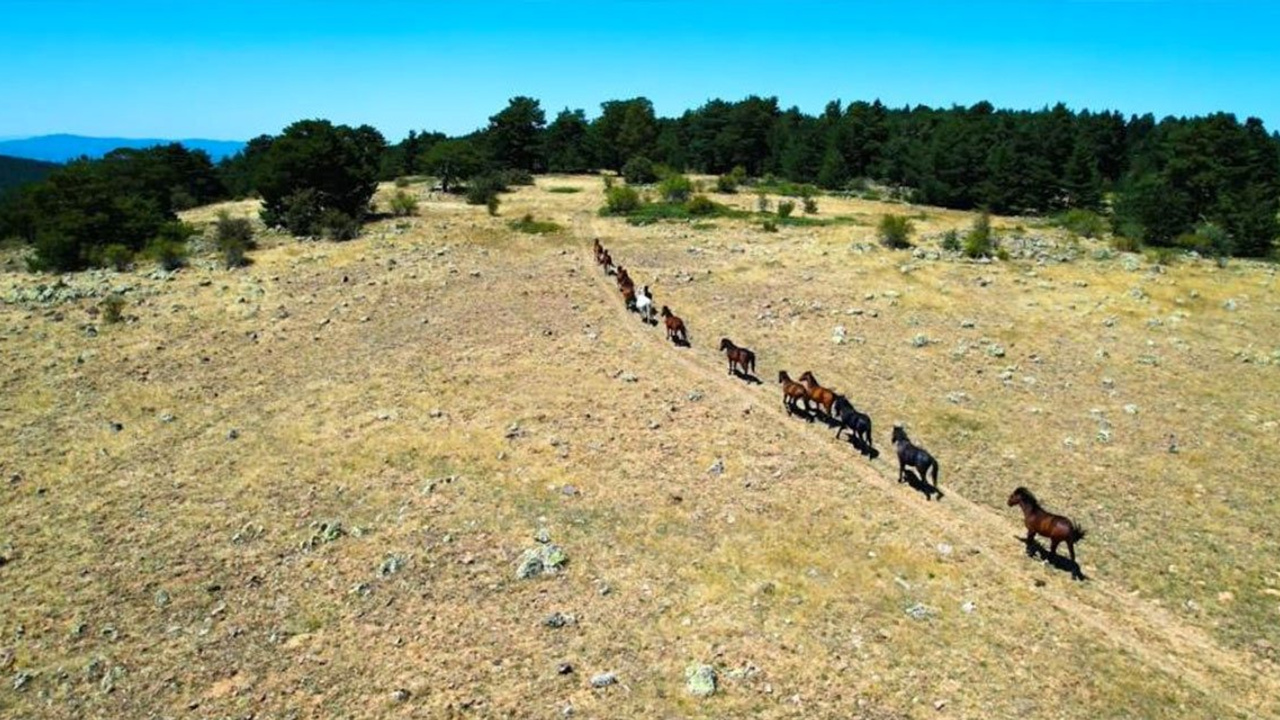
x=1057 y=528
x=676 y=331
x=793 y=393
x=598 y=248
x=606 y=261
x=629 y=297
x=624 y=278
x=738 y=356
x=820 y=395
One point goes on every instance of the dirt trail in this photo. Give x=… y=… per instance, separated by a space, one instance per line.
x=1148 y=632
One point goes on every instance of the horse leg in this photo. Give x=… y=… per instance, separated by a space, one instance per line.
x=1053 y=546
x=1030 y=541
x=1075 y=566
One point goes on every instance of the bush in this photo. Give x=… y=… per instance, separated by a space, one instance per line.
x=951 y=240
x=769 y=226
x=895 y=232
x=810 y=205
x=762 y=202
x=112 y=307
x=515 y=176
x=491 y=205
x=116 y=256
x=729 y=182
x=675 y=188
x=233 y=237
x=621 y=199
x=402 y=204
x=169 y=247
x=980 y=241
x=339 y=226
x=701 y=205
x=1084 y=223
x=1208 y=239
x=1125 y=242
x=300 y=215
x=639 y=170
x=528 y=224
x=1161 y=255
x=334 y=167
x=483 y=187
x=402 y=181
x=785 y=208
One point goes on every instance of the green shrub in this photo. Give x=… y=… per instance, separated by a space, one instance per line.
x=339 y=226
x=233 y=238
x=402 y=204
x=810 y=205
x=951 y=240
x=402 y=181
x=169 y=247
x=621 y=199
x=701 y=205
x=769 y=226
x=300 y=215
x=1161 y=255
x=1084 y=223
x=785 y=208
x=112 y=307
x=491 y=205
x=516 y=176
x=1125 y=242
x=675 y=188
x=639 y=170
x=528 y=224
x=483 y=187
x=1208 y=239
x=895 y=232
x=980 y=241
x=762 y=202
x=565 y=189
x=608 y=181
x=116 y=256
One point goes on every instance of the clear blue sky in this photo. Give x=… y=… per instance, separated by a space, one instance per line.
x=232 y=70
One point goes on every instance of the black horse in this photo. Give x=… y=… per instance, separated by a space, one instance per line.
x=918 y=459
x=849 y=418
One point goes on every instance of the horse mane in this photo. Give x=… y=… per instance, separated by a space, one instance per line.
x=1031 y=499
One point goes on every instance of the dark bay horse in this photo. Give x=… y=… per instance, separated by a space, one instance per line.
x=629 y=297
x=1057 y=528
x=794 y=393
x=849 y=418
x=676 y=331
x=918 y=459
x=822 y=396
x=738 y=357
x=624 y=278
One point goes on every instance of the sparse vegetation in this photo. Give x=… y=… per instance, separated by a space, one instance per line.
x=621 y=200
x=564 y=189
x=1085 y=223
x=403 y=204
x=112 y=309
x=785 y=208
x=895 y=232
x=675 y=188
x=639 y=170
x=528 y=224
x=980 y=241
x=233 y=237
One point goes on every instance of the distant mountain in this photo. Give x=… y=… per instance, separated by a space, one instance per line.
x=61 y=148
x=16 y=171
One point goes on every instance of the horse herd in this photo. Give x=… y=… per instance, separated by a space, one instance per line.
x=808 y=398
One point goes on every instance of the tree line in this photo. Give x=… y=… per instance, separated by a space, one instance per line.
x=1209 y=183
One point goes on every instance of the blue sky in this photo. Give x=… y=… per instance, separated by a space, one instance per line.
x=232 y=70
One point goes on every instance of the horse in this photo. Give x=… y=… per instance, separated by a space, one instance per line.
x=606 y=262
x=738 y=356
x=820 y=395
x=676 y=331
x=918 y=459
x=629 y=297
x=1057 y=528
x=598 y=248
x=792 y=394
x=624 y=278
x=858 y=424
x=644 y=305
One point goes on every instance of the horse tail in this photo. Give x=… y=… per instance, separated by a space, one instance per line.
x=1077 y=533
x=933 y=470
x=751 y=362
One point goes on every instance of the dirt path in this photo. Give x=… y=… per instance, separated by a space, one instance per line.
x=1137 y=627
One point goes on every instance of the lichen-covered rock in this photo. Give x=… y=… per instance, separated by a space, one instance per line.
x=546 y=559
x=700 y=680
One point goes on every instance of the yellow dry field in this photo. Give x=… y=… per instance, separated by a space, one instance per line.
x=325 y=468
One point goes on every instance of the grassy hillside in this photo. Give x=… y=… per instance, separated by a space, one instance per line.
x=306 y=487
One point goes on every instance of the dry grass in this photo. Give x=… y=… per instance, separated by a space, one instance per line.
x=355 y=374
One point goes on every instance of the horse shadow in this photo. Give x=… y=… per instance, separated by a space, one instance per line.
x=918 y=484
x=680 y=342
x=863 y=449
x=747 y=377
x=1061 y=563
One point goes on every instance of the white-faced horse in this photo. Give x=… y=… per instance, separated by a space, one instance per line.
x=644 y=306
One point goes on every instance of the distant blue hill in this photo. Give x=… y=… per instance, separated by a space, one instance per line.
x=61 y=148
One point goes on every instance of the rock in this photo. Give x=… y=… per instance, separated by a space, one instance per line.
x=967 y=324
x=162 y=598
x=514 y=431
x=700 y=680
x=116 y=427
x=995 y=350
x=233 y=434
x=694 y=396
x=391 y=565
x=968 y=606
x=21 y=680
x=400 y=695
x=1230 y=305
x=920 y=340
x=1131 y=409
x=564 y=668
x=944 y=549
x=541 y=560
x=543 y=535
x=838 y=335
x=957 y=397
x=628 y=377
x=436 y=413
x=920 y=612
x=717 y=468
x=558 y=620
x=604 y=679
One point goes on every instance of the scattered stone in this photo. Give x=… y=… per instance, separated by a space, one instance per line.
x=391 y=565
x=700 y=680
x=436 y=413
x=920 y=340
x=694 y=396
x=628 y=377
x=967 y=324
x=21 y=680
x=957 y=397
x=541 y=560
x=325 y=532
x=995 y=350
x=558 y=620
x=838 y=335
x=400 y=695
x=944 y=549
x=162 y=598
x=569 y=490
x=233 y=434
x=921 y=612
x=543 y=535
x=604 y=679
x=939 y=704
x=564 y=668
x=968 y=606
x=1131 y=409
x=1230 y=305
x=717 y=468
x=514 y=431
x=116 y=427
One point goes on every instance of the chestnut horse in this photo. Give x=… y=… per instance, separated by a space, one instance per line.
x=1057 y=528
x=629 y=297
x=820 y=395
x=599 y=251
x=676 y=331
x=792 y=394
x=624 y=278
x=738 y=356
